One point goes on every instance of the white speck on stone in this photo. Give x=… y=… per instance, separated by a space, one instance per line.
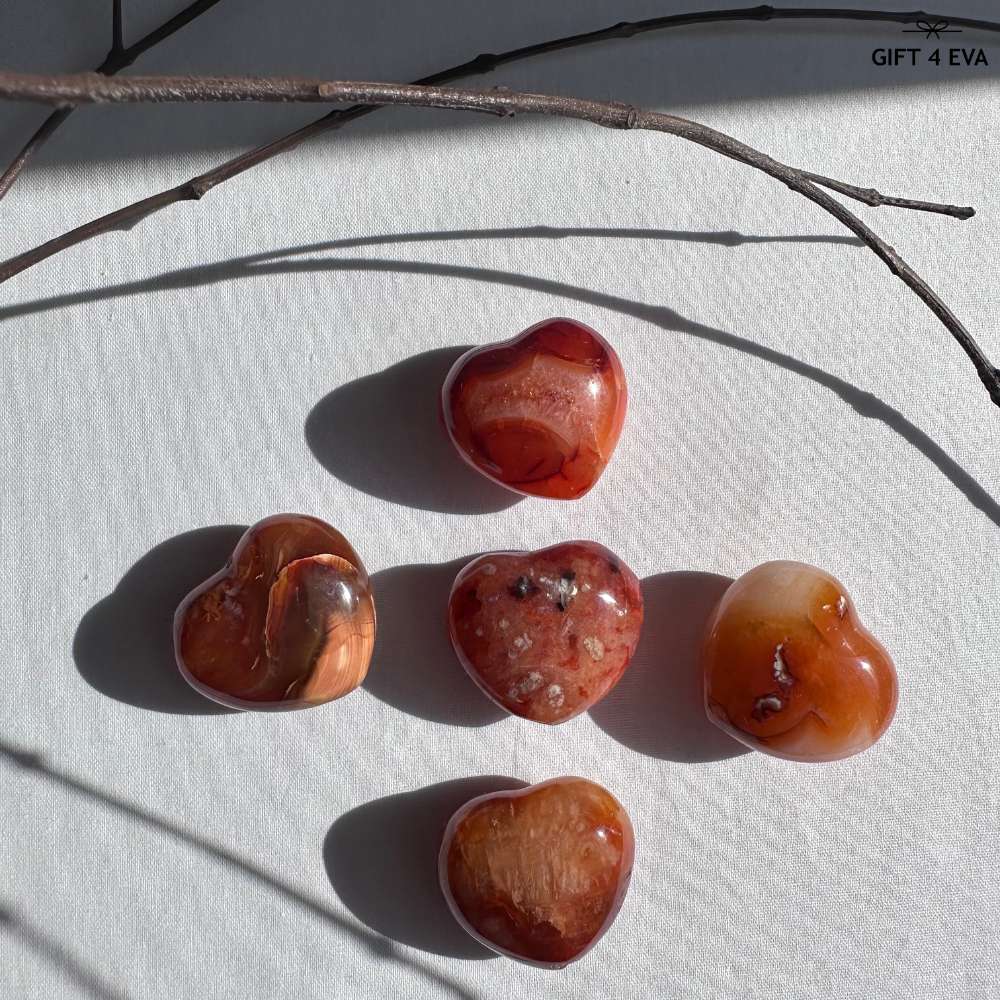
x=479 y=632
x=595 y=647
x=560 y=590
x=529 y=683
x=585 y=587
x=841 y=605
x=503 y=624
x=488 y=568
x=520 y=644
x=769 y=702
x=781 y=674
x=555 y=695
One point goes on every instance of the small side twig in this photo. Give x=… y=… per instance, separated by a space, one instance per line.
x=92 y=88
x=117 y=59
x=875 y=199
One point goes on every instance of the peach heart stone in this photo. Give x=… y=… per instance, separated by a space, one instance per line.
x=791 y=671
x=289 y=622
x=546 y=634
x=538 y=874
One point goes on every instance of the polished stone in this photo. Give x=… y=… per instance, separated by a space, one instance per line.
x=791 y=671
x=538 y=874
x=289 y=622
x=546 y=634
x=540 y=413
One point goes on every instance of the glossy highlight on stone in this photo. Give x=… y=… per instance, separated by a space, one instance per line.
x=540 y=413
x=546 y=634
x=791 y=671
x=538 y=874
x=289 y=622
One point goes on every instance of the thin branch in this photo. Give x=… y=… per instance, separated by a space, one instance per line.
x=117 y=28
x=31 y=147
x=196 y=187
x=126 y=56
x=485 y=62
x=87 y=88
x=119 y=56
x=875 y=199
x=92 y=88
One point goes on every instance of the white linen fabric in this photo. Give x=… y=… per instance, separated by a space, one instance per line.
x=278 y=346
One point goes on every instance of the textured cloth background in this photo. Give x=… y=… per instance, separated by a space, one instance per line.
x=278 y=346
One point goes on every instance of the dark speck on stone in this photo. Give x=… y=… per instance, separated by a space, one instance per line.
x=613 y=566
x=522 y=588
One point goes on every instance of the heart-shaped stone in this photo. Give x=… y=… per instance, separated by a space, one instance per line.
x=540 y=873
x=289 y=622
x=546 y=634
x=790 y=669
x=540 y=413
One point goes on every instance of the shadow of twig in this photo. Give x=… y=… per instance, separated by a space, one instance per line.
x=725 y=238
x=863 y=402
x=380 y=948
x=206 y=274
x=81 y=975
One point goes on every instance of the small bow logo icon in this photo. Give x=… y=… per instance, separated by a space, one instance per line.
x=933 y=29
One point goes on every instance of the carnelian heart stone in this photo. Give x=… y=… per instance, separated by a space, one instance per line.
x=289 y=622
x=790 y=670
x=540 y=413
x=546 y=634
x=538 y=874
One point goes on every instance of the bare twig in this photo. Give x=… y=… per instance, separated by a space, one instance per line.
x=119 y=56
x=485 y=62
x=93 y=88
x=196 y=187
x=117 y=28
x=875 y=199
